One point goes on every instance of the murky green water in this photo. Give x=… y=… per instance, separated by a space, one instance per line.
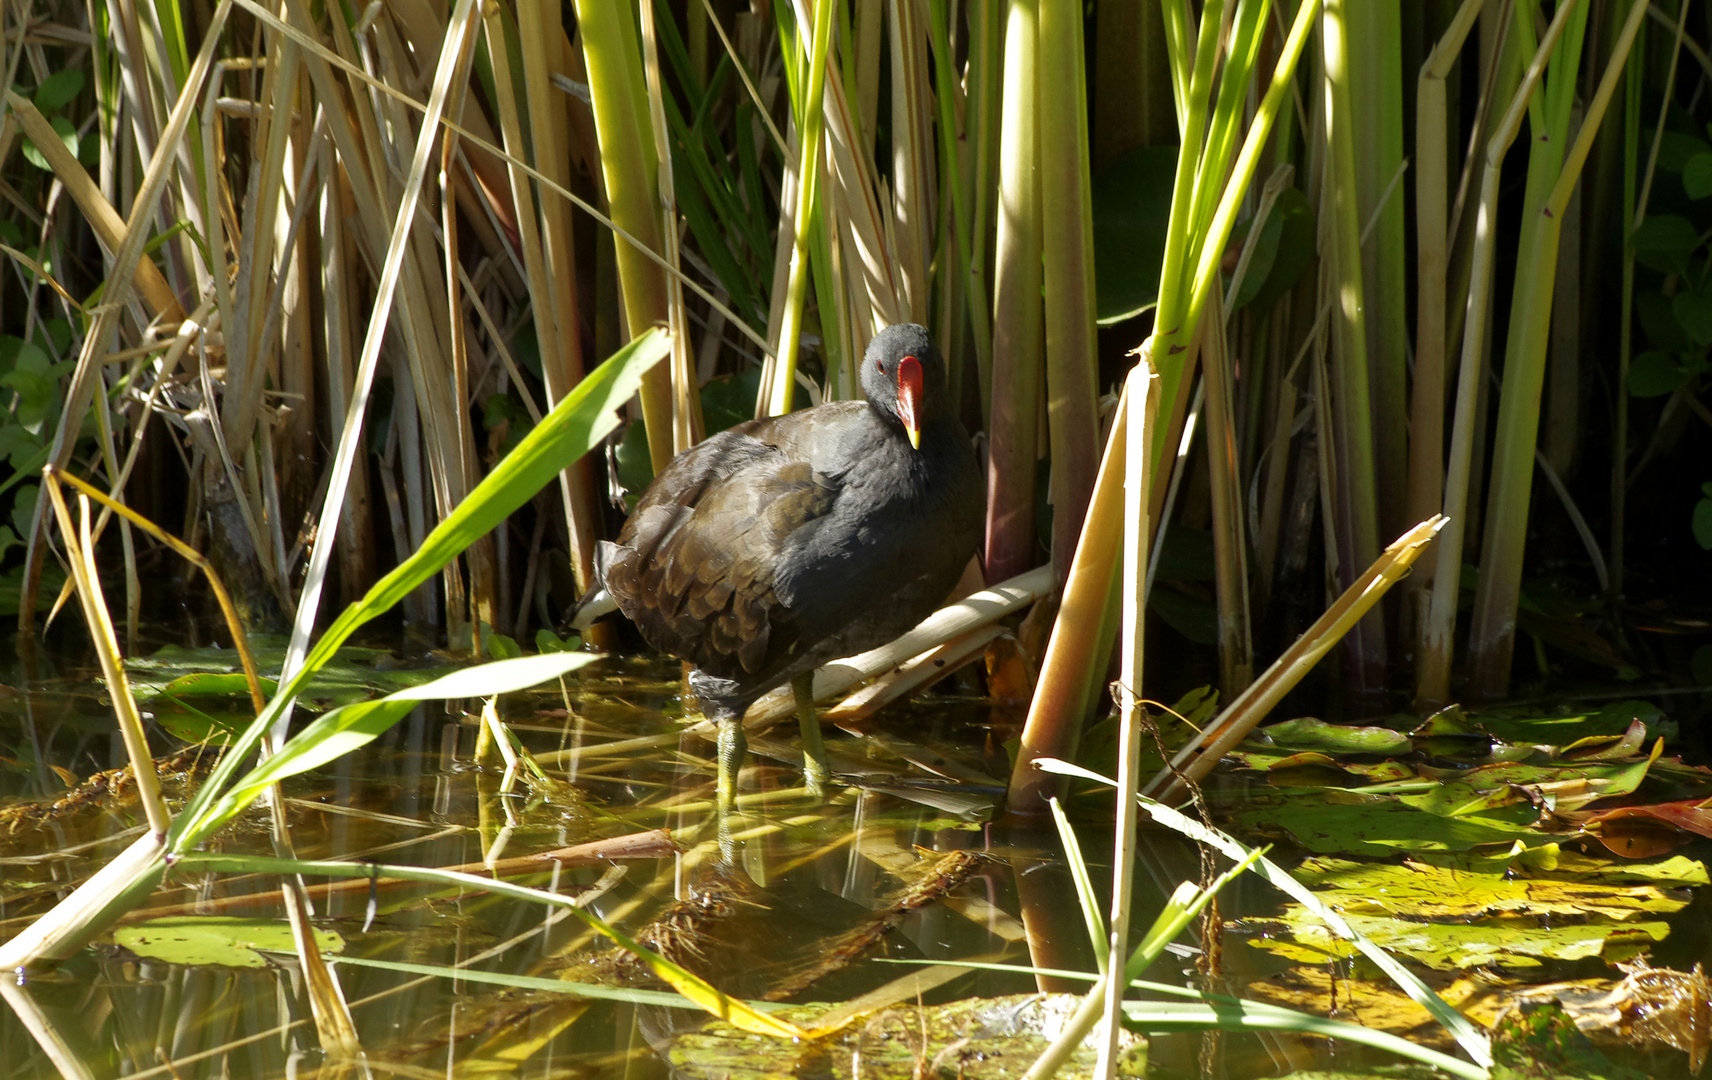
x=813 y=909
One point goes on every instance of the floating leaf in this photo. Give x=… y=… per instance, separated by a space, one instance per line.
x=1564 y=729
x=1376 y=826
x=1307 y=733
x=1694 y=815
x=354 y=674
x=215 y=939
x=209 y=684
x=1416 y=889
x=1299 y=936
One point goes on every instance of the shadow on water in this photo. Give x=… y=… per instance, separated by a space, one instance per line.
x=882 y=891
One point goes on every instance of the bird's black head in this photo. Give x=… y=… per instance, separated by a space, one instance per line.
x=904 y=376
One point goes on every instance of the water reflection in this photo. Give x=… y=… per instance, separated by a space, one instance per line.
x=819 y=899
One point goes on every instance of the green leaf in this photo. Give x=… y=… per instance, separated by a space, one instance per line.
x=354 y=674
x=1655 y=374
x=1458 y=946
x=505 y=421
x=24 y=507
x=548 y=642
x=1192 y=616
x=1308 y=733
x=1697 y=176
x=58 y=89
x=18 y=444
x=209 y=684
x=1665 y=233
x=1664 y=241
x=215 y=939
x=1377 y=828
x=1131 y=209
x=1291 y=228
x=1701 y=523
x=1677 y=149
x=1662 y=329
x=632 y=465
x=58 y=333
x=729 y=400
x=67 y=135
x=1693 y=311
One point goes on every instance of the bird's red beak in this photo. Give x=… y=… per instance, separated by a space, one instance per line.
x=909 y=398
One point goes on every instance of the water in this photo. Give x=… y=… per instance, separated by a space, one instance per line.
x=814 y=906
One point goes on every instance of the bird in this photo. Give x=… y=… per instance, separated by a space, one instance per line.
x=781 y=544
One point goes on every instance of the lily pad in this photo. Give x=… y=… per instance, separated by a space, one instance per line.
x=1419 y=890
x=1298 y=935
x=1307 y=733
x=1566 y=728
x=1378 y=827
x=1562 y=788
x=223 y=940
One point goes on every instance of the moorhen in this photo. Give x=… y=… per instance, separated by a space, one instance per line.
x=781 y=544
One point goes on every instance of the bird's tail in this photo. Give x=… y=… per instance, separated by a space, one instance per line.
x=595 y=603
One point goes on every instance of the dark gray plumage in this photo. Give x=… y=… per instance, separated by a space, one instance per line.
x=781 y=544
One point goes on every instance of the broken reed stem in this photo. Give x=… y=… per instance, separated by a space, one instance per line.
x=228 y=610
x=82 y=559
x=1243 y=714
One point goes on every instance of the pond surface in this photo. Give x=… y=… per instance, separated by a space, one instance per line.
x=882 y=889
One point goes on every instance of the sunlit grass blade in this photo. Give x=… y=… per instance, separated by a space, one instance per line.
x=576 y=425
x=1183 y=907
x=1235 y=1014
x=1085 y=896
x=1467 y=1036
x=340 y=731
x=596 y=991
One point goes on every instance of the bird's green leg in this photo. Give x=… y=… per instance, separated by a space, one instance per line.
x=815 y=771
x=732 y=745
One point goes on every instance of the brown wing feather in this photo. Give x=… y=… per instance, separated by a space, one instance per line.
x=694 y=566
